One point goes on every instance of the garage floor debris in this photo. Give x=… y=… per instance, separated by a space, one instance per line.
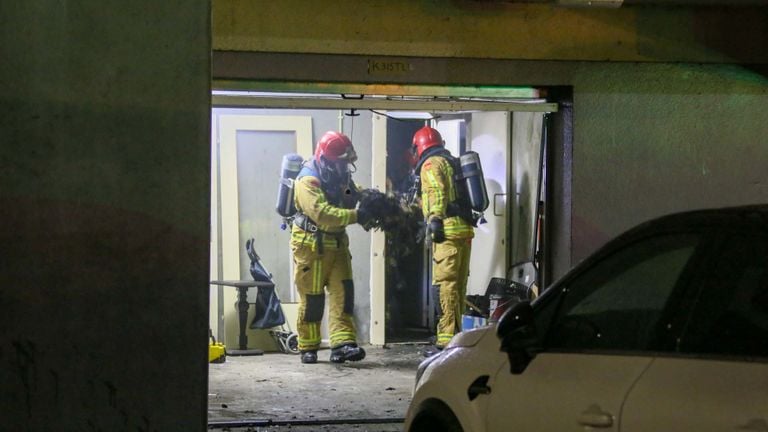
x=278 y=387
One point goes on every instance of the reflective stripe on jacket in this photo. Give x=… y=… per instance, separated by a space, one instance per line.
x=437 y=190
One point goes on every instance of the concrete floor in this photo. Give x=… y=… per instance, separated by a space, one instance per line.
x=277 y=388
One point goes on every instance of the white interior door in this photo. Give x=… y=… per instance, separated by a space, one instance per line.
x=489 y=136
x=251 y=148
x=526 y=176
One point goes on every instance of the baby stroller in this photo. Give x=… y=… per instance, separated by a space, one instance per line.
x=269 y=312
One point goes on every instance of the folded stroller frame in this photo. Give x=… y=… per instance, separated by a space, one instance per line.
x=269 y=312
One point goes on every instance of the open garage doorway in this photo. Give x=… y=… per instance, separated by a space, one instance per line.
x=253 y=130
x=392 y=292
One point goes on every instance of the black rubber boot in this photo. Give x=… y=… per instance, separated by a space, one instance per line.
x=309 y=356
x=347 y=352
x=431 y=350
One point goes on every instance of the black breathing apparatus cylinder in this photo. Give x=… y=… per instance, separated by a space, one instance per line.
x=291 y=166
x=474 y=181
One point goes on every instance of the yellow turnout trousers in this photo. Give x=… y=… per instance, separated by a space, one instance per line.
x=315 y=274
x=450 y=259
x=450 y=270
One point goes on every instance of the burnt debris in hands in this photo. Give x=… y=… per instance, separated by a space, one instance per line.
x=391 y=213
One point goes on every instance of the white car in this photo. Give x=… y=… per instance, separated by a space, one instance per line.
x=663 y=329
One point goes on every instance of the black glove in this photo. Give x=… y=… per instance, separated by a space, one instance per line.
x=364 y=216
x=436 y=231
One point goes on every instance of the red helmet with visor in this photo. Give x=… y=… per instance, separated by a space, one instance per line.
x=426 y=138
x=334 y=153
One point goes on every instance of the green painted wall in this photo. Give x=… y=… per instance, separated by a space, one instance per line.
x=104 y=190
x=653 y=139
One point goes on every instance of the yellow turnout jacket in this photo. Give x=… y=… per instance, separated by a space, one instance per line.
x=311 y=200
x=437 y=190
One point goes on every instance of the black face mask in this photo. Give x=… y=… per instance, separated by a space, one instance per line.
x=335 y=173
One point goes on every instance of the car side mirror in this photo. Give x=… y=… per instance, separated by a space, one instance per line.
x=517 y=332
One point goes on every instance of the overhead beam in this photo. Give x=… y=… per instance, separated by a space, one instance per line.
x=241 y=101
x=481 y=91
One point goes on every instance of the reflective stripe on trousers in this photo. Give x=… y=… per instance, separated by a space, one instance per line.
x=450 y=270
x=315 y=275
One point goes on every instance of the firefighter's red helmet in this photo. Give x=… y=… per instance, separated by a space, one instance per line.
x=425 y=138
x=335 y=147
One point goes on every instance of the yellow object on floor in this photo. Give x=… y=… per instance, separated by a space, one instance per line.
x=217 y=353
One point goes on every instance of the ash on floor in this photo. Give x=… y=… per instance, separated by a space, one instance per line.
x=278 y=387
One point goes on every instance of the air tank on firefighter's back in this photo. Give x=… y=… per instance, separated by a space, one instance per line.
x=288 y=172
x=472 y=176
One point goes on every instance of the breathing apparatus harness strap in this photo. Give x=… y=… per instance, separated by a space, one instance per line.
x=306 y=223
x=460 y=205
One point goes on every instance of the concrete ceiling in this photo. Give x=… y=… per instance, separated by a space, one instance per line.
x=618 y=3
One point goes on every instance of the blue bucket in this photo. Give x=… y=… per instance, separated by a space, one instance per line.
x=469 y=322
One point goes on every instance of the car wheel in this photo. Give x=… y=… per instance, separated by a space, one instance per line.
x=435 y=416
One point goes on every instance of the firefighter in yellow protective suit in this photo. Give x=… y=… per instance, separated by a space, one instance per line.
x=451 y=234
x=325 y=198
